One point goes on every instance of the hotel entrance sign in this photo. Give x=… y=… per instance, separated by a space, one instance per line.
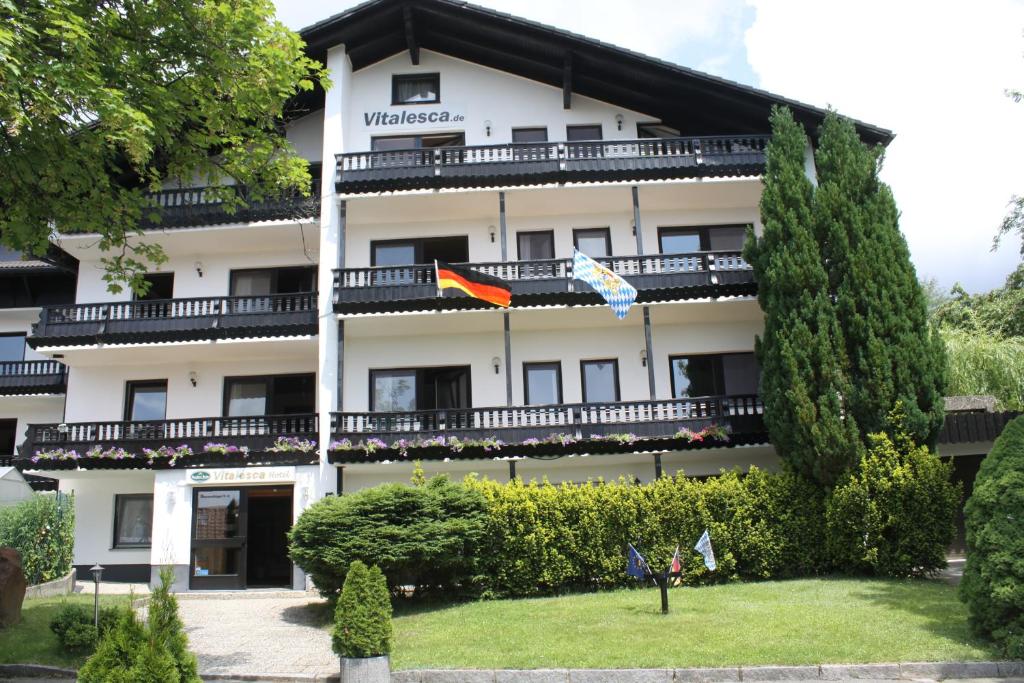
x=243 y=476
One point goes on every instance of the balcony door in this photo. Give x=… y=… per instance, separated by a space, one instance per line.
x=413 y=252
x=262 y=285
x=145 y=409
x=154 y=303
x=8 y=435
x=252 y=399
x=698 y=376
x=403 y=392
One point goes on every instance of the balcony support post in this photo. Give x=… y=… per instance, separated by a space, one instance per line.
x=511 y=470
x=658 y=471
x=506 y=324
x=649 y=346
x=637 y=228
x=339 y=398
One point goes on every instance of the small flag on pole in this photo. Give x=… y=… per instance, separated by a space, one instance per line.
x=636 y=564
x=704 y=548
x=451 y=279
x=677 y=566
x=619 y=294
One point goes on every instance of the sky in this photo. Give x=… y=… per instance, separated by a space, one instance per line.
x=935 y=73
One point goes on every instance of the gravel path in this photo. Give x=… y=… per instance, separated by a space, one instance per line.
x=252 y=635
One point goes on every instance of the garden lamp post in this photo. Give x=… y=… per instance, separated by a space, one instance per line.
x=97 y=573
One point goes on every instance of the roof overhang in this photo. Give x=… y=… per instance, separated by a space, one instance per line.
x=693 y=102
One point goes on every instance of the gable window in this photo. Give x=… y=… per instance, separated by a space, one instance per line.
x=416 y=89
x=594 y=242
x=529 y=135
x=730 y=374
x=600 y=380
x=582 y=133
x=12 y=347
x=133 y=520
x=542 y=383
x=269 y=395
x=689 y=239
x=408 y=389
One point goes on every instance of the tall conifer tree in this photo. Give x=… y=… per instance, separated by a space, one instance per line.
x=894 y=354
x=801 y=351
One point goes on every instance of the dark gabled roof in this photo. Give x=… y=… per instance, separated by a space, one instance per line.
x=694 y=102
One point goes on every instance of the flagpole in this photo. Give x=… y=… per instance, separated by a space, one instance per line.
x=437 y=280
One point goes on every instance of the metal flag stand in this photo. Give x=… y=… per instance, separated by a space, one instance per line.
x=661 y=578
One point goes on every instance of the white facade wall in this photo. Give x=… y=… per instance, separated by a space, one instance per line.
x=94 y=514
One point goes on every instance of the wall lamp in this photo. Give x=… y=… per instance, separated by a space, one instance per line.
x=496 y=362
x=487 y=128
x=199 y=268
x=643 y=357
x=619 y=118
x=491 y=231
x=194 y=378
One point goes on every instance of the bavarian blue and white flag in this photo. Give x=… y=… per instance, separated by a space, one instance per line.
x=704 y=548
x=619 y=294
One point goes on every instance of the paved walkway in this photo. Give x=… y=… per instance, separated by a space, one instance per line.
x=251 y=634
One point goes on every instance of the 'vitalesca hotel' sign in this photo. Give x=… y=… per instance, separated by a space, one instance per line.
x=410 y=117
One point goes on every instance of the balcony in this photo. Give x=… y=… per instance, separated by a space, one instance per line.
x=546 y=431
x=537 y=163
x=23 y=378
x=198 y=206
x=171 y=320
x=211 y=442
x=659 y=277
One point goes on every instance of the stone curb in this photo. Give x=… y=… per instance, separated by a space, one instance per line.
x=826 y=672
x=36 y=671
x=271 y=678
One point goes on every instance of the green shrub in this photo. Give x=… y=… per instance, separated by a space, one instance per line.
x=74 y=627
x=993 y=581
x=426 y=536
x=894 y=514
x=166 y=628
x=362 y=618
x=42 y=529
x=117 y=652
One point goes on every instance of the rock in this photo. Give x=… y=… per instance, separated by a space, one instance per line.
x=12 y=587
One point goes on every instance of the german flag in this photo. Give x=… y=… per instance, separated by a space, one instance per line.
x=474 y=283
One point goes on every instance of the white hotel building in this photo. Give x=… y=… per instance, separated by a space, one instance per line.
x=450 y=132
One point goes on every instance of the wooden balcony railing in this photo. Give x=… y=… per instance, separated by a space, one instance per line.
x=177 y=319
x=32 y=377
x=516 y=425
x=253 y=434
x=658 y=277
x=191 y=206
x=548 y=162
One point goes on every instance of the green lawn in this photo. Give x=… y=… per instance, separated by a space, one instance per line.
x=807 y=621
x=32 y=641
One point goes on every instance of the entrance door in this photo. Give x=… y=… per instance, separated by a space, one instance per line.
x=238 y=537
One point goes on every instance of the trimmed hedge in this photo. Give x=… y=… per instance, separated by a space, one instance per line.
x=546 y=539
x=894 y=514
x=42 y=529
x=993 y=582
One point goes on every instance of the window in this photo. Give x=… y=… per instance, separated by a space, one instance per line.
x=8 y=435
x=267 y=281
x=581 y=133
x=529 y=135
x=419 y=251
x=392 y=143
x=133 y=520
x=269 y=395
x=161 y=286
x=686 y=240
x=600 y=380
x=416 y=89
x=146 y=400
x=542 y=383
x=594 y=242
x=12 y=347
x=732 y=374
x=408 y=389
x=536 y=245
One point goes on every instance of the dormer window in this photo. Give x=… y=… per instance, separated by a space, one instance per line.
x=416 y=89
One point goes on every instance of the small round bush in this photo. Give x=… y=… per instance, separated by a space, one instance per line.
x=894 y=514
x=74 y=627
x=428 y=536
x=993 y=581
x=362 y=618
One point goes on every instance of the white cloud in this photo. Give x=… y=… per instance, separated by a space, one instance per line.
x=934 y=73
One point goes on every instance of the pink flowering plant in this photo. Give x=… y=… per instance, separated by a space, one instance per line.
x=292 y=444
x=712 y=432
x=169 y=453
x=226 y=449
x=55 y=454
x=112 y=453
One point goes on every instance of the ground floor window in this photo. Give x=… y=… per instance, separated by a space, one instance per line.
x=133 y=520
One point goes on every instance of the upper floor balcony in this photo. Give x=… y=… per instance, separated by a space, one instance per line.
x=658 y=277
x=538 y=163
x=547 y=430
x=172 y=320
x=200 y=206
x=27 y=377
x=183 y=442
